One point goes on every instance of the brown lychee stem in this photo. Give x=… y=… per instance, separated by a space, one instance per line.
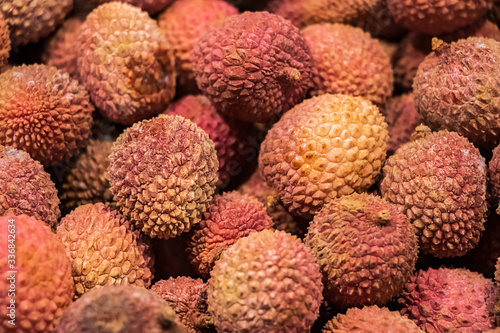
x=436 y=43
x=381 y=218
x=420 y=132
x=498 y=209
x=290 y=74
x=272 y=201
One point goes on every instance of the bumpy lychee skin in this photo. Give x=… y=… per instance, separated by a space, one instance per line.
x=456 y=88
x=253 y=66
x=125 y=63
x=183 y=23
x=371 y=319
x=266 y=282
x=449 y=300
x=124 y=309
x=62 y=49
x=25 y=187
x=31 y=20
x=163 y=173
x=43 y=112
x=43 y=284
x=366 y=248
x=188 y=298
x=229 y=217
x=90 y=234
x=341 y=65
x=439 y=181
x=150 y=6
x=4 y=40
x=325 y=147
x=434 y=17
x=88 y=180
x=229 y=135
x=494 y=175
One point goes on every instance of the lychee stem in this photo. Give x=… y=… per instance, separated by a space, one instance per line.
x=290 y=74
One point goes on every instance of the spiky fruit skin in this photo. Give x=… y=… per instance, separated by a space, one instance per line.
x=43 y=285
x=4 y=40
x=402 y=119
x=229 y=135
x=263 y=264
x=25 y=187
x=125 y=63
x=325 y=147
x=436 y=17
x=90 y=234
x=62 y=49
x=43 y=112
x=229 y=217
x=150 y=6
x=124 y=309
x=494 y=174
x=253 y=66
x=341 y=66
x=456 y=88
x=188 y=298
x=449 y=300
x=371 y=319
x=283 y=220
x=163 y=173
x=186 y=21
x=366 y=249
x=439 y=181
x=88 y=180
x=31 y=20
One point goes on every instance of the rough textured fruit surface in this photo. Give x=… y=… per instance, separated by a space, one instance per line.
x=4 y=40
x=325 y=147
x=229 y=217
x=439 y=181
x=456 y=88
x=104 y=249
x=402 y=119
x=263 y=264
x=283 y=220
x=229 y=135
x=449 y=300
x=494 y=175
x=162 y=174
x=88 y=180
x=31 y=20
x=434 y=17
x=62 y=49
x=188 y=297
x=366 y=248
x=371 y=319
x=150 y=6
x=341 y=65
x=25 y=187
x=43 y=284
x=186 y=21
x=125 y=63
x=43 y=112
x=253 y=66
x=123 y=309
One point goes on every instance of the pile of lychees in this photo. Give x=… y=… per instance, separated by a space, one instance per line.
x=280 y=166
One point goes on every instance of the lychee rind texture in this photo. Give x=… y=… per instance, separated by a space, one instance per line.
x=456 y=88
x=253 y=66
x=163 y=173
x=325 y=147
x=341 y=65
x=31 y=20
x=228 y=134
x=188 y=298
x=266 y=282
x=125 y=63
x=43 y=112
x=439 y=182
x=88 y=180
x=104 y=249
x=42 y=283
x=366 y=248
x=150 y=6
x=229 y=217
x=5 y=44
x=186 y=21
x=123 y=309
x=449 y=300
x=371 y=319
x=434 y=17
x=494 y=174
x=25 y=187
